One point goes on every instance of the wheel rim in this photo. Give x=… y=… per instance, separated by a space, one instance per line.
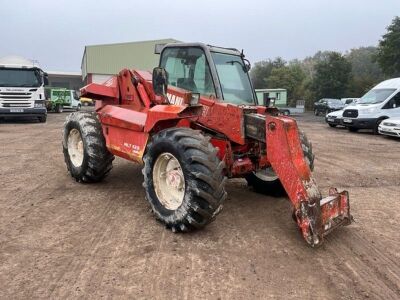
x=266 y=174
x=75 y=147
x=169 y=181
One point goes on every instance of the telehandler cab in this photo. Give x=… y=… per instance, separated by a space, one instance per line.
x=193 y=123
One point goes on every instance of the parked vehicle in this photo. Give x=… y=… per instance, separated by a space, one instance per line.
x=380 y=103
x=22 y=88
x=334 y=118
x=349 y=101
x=57 y=99
x=278 y=98
x=327 y=105
x=390 y=127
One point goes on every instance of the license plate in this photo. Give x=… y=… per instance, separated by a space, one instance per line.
x=16 y=110
x=330 y=120
x=347 y=120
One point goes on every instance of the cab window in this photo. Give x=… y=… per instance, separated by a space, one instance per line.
x=188 y=69
x=394 y=102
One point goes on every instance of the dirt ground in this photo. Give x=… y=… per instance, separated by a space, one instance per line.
x=62 y=239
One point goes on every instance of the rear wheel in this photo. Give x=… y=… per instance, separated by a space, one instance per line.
x=84 y=147
x=78 y=108
x=267 y=182
x=183 y=179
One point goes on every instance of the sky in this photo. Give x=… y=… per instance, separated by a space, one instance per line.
x=55 y=32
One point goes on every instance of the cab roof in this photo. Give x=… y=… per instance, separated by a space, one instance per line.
x=211 y=48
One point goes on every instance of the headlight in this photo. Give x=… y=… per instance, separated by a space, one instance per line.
x=39 y=104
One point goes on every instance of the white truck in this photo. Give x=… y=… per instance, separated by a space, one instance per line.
x=22 y=88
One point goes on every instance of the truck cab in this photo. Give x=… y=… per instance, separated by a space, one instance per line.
x=380 y=103
x=22 y=88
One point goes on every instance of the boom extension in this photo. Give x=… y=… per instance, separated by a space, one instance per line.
x=315 y=216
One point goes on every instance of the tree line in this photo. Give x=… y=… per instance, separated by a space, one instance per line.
x=330 y=74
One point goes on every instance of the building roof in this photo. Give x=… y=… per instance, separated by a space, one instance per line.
x=64 y=74
x=270 y=90
x=111 y=58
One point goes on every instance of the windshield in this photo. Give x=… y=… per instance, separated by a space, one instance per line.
x=20 y=77
x=335 y=101
x=235 y=82
x=376 y=96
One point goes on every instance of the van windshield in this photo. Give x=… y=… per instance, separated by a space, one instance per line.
x=376 y=96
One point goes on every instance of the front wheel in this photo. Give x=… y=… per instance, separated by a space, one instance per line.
x=183 y=179
x=42 y=119
x=59 y=108
x=332 y=125
x=266 y=181
x=376 y=127
x=316 y=112
x=78 y=108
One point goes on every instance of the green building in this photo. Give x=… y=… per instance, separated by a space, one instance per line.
x=100 y=62
x=278 y=96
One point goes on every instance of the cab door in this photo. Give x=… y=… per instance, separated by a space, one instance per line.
x=392 y=107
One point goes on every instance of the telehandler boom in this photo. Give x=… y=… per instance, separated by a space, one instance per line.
x=192 y=123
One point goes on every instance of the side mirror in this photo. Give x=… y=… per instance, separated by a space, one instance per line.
x=160 y=81
x=247 y=65
x=45 y=79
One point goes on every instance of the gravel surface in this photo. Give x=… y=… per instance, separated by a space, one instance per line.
x=62 y=239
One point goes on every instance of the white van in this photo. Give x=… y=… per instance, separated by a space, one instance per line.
x=380 y=103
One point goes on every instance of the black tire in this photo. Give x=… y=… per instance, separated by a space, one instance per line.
x=316 y=113
x=203 y=176
x=97 y=160
x=332 y=125
x=43 y=119
x=352 y=129
x=274 y=187
x=376 y=127
x=78 y=108
x=59 y=108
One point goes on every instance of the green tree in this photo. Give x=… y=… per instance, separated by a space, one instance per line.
x=366 y=71
x=289 y=77
x=332 y=76
x=388 y=55
x=262 y=70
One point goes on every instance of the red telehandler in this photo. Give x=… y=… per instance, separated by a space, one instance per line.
x=192 y=123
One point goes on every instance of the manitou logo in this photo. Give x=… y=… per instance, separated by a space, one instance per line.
x=173 y=99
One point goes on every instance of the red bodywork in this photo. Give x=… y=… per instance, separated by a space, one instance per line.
x=130 y=113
